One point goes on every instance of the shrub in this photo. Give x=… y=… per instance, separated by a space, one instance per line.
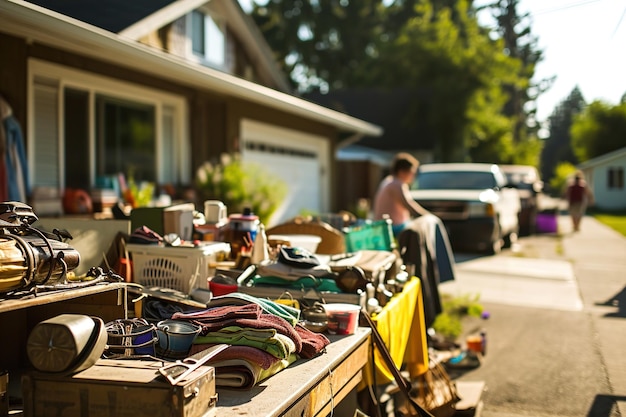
x=562 y=173
x=448 y=323
x=239 y=185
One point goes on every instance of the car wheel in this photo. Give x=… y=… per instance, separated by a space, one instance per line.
x=511 y=238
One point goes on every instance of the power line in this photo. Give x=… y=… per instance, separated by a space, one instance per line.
x=565 y=7
x=618 y=23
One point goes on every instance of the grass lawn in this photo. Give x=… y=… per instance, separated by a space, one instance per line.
x=615 y=221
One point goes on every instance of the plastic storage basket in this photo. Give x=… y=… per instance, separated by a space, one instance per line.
x=178 y=268
x=376 y=235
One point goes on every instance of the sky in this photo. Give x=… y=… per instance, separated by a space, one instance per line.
x=584 y=44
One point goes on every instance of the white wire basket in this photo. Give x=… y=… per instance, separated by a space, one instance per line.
x=179 y=268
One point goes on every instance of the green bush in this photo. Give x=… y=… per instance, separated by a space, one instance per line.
x=562 y=173
x=239 y=185
x=448 y=323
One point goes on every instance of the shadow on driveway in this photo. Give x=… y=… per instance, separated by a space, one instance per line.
x=619 y=301
x=604 y=404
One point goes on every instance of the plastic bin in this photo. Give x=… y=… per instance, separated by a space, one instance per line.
x=179 y=268
x=376 y=235
x=547 y=222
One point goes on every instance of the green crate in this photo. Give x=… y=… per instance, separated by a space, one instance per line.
x=376 y=235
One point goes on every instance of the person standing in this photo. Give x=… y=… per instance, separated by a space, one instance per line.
x=393 y=197
x=578 y=196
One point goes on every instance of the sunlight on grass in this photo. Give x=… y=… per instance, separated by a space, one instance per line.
x=614 y=221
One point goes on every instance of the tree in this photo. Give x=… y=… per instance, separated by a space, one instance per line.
x=321 y=44
x=599 y=129
x=558 y=145
x=435 y=49
x=456 y=71
x=519 y=42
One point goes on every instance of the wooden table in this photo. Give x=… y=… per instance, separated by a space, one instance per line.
x=18 y=317
x=310 y=387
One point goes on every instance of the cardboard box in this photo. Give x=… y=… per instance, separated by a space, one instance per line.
x=163 y=220
x=121 y=388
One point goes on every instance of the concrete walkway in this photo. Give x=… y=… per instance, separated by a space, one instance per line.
x=554 y=356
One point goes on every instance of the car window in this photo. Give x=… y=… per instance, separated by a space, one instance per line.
x=522 y=181
x=455 y=180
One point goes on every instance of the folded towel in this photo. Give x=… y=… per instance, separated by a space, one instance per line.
x=312 y=343
x=268 y=340
x=236 y=373
x=264 y=321
x=249 y=353
x=291 y=314
x=221 y=313
x=241 y=374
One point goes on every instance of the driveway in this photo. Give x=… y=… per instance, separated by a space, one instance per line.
x=557 y=331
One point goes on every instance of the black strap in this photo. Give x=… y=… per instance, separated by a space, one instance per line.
x=402 y=383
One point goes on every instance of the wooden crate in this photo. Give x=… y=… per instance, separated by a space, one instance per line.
x=121 y=388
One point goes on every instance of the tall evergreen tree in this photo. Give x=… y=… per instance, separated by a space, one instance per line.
x=558 y=146
x=520 y=43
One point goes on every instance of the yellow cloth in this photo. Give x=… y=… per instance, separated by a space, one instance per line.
x=402 y=327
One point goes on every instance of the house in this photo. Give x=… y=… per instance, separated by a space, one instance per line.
x=364 y=163
x=605 y=175
x=155 y=88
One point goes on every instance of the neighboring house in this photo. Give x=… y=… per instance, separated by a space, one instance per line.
x=154 y=88
x=605 y=175
x=392 y=110
x=370 y=158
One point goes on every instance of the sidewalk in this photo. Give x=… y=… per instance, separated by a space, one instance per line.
x=549 y=362
x=598 y=255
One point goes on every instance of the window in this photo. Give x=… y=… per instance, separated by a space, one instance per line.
x=125 y=138
x=208 y=39
x=455 y=180
x=76 y=116
x=84 y=126
x=616 y=178
x=45 y=157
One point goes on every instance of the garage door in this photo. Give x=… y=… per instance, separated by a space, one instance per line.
x=299 y=159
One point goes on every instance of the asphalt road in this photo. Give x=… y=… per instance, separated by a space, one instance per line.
x=557 y=326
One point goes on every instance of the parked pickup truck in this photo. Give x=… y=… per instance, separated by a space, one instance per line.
x=478 y=209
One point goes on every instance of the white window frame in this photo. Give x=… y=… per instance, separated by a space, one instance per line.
x=615 y=178
x=96 y=84
x=202 y=59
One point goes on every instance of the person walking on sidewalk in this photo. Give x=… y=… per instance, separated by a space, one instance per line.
x=578 y=196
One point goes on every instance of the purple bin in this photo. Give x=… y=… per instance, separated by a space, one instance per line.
x=546 y=222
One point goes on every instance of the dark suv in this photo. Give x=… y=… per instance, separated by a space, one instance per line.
x=526 y=179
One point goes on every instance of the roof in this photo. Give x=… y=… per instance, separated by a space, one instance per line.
x=111 y=15
x=360 y=153
x=462 y=167
x=137 y=18
x=40 y=25
x=391 y=111
x=603 y=159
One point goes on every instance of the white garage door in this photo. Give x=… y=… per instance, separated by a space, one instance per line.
x=300 y=159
